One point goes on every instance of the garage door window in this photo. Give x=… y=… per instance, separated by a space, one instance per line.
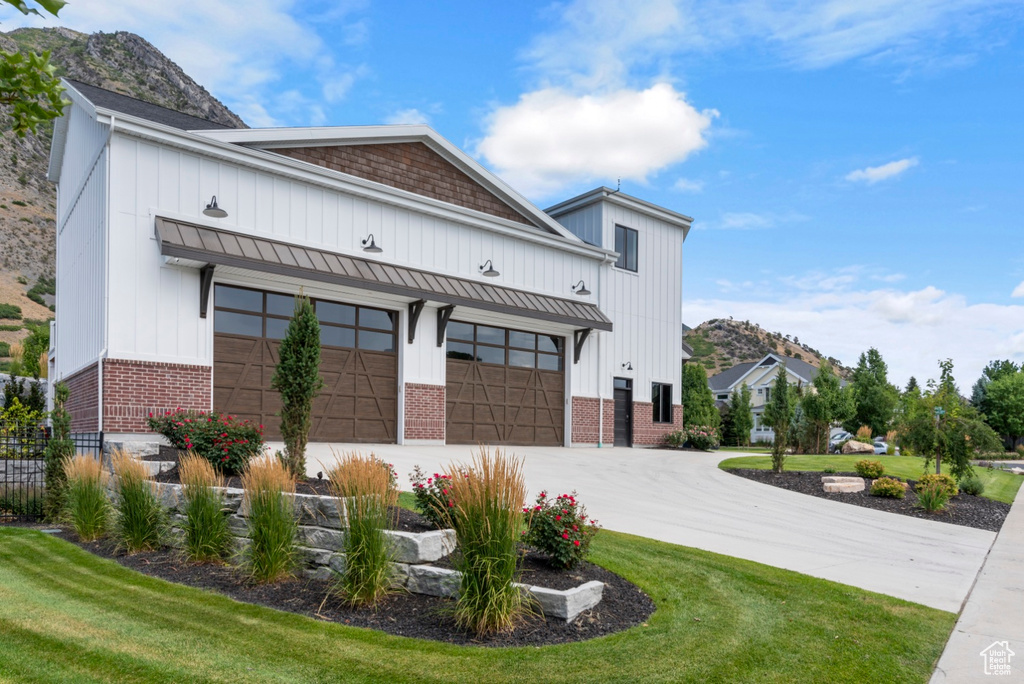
x=517 y=348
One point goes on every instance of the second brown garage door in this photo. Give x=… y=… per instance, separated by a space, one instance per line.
x=504 y=386
x=358 y=363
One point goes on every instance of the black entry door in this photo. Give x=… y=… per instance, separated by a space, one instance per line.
x=623 y=412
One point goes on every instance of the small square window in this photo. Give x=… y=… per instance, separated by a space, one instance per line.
x=661 y=398
x=626 y=246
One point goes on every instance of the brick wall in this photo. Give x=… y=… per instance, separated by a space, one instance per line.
x=407 y=166
x=424 y=411
x=646 y=431
x=83 y=399
x=133 y=389
x=585 y=429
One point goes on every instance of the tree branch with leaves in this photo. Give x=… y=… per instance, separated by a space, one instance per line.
x=29 y=87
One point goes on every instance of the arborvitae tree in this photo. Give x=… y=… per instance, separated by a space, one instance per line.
x=912 y=386
x=698 y=402
x=777 y=415
x=741 y=415
x=59 y=448
x=297 y=378
x=1004 y=406
x=874 y=398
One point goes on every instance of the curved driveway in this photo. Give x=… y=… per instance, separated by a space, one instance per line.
x=683 y=498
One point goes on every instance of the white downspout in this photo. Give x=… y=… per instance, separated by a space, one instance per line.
x=106 y=281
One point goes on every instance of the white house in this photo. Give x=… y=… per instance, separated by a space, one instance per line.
x=759 y=376
x=452 y=309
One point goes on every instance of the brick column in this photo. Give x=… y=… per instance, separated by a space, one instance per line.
x=424 y=412
x=84 y=399
x=645 y=431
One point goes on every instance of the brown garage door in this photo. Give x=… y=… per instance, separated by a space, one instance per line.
x=358 y=363
x=504 y=386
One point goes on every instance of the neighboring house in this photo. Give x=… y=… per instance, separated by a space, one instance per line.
x=759 y=376
x=452 y=309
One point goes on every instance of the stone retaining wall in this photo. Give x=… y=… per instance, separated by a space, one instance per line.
x=321 y=542
x=22 y=471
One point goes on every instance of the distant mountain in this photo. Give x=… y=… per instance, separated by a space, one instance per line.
x=722 y=343
x=120 y=61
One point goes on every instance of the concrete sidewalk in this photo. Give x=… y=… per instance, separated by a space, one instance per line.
x=994 y=611
x=684 y=498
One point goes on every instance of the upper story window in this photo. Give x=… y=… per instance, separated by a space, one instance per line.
x=661 y=397
x=625 y=245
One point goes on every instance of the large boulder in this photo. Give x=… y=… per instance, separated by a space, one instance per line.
x=854 y=447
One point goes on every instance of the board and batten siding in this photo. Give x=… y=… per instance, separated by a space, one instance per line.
x=82 y=212
x=155 y=313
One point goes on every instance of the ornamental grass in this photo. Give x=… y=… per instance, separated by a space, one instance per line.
x=85 y=506
x=207 y=535
x=368 y=491
x=140 y=522
x=488 y=521
x=269 y=495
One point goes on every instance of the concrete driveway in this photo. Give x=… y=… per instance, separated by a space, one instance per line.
x=683 y=498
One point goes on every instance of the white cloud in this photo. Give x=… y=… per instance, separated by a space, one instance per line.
x=552 y=137
x=913 y=329
x=1018 y=291
x=873 y=174
x=687 y=185
x=744 y=220
x=408 y=116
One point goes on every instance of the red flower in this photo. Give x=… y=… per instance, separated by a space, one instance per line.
x=558 y=517
x=565 y=535
x=577 y=542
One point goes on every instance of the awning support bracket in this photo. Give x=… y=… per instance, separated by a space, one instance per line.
x=579 y=337
x=444 y=314
x=415 y=309
x=205 y=285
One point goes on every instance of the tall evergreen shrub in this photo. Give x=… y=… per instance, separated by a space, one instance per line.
x=297 y=378
x=59 y=449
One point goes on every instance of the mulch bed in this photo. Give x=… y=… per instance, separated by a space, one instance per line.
x=963 y=509
x=623 y=605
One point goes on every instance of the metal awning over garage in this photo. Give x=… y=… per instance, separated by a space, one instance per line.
x=220 y=247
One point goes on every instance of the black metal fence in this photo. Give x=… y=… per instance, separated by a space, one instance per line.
x=23 y=471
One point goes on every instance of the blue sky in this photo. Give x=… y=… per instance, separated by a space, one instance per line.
x=855 y=167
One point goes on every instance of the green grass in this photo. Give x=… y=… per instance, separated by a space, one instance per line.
x=68 y=616
x=746 y=450
x=999 y=485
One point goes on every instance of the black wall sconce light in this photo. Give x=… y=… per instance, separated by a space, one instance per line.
x=370 y=246
x=580 y=289
x=213 y=211
x=491 y=272
x=627 y=366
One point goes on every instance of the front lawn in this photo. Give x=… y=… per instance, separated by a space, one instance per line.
x=746 y=450
x=66 y=615
x=999 y=485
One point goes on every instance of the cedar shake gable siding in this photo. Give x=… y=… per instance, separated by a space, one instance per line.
x=413 y=167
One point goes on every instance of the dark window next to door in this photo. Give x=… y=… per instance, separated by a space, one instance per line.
x=625 y=245
x=661 y=397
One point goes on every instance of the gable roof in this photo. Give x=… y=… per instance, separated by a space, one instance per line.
x=620 y=198
x=728 y=378
x=276 y=139
x=108 y=99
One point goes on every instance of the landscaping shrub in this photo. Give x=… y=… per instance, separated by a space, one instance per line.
x=10 y=311
x=59 y=448
x=22 y=500
x=560 y=528
x=1020 y=450
x=889 y=487
x=703 y=437
x=829 y=470
x=87 y=509
x=488 y=521
x=269 y=495
x=890 y=449
x=972 y=485
x=932 y=497
x=367 y=490
x=297 y=379
x=945 y=481
x=433 y=497
x=869 y=469
x=226 y=441
x=207 y=535
x=864 y=435
x=140 y=521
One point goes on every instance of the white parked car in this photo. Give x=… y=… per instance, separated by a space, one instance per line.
x=883 y=448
